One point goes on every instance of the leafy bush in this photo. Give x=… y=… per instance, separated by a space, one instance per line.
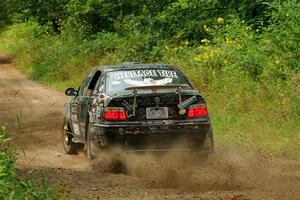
x=11 y=187
x=7 y=161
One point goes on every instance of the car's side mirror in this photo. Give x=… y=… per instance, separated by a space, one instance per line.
x=71 y=92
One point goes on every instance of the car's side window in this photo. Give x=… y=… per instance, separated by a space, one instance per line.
x=94 y=80
x=82 y=87
x=100 y=84
x=89 y=90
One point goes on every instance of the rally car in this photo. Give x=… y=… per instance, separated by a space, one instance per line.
x=140 y=107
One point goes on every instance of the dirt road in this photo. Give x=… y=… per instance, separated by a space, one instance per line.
x=34 y=115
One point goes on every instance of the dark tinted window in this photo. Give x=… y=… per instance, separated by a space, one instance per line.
x=94 y=80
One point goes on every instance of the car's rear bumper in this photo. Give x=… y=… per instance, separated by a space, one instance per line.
x=162 y=135
x=153 y=123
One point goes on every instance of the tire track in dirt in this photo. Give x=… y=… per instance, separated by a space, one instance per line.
x=34 y=114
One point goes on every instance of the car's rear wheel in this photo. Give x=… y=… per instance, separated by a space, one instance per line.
x=70 y=147
x=206 y=148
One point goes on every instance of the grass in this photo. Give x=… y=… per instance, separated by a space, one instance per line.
x=12 y=187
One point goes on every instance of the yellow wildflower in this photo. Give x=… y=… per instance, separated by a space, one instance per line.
x=197 y=58
x=180 y=47
x=206 y=28
x=277 y=62
x=206 y=41
x=227 y=41
x=220 y=20
x=167 y=48
x=225 y=62
x=205 y=56
x=238 y=44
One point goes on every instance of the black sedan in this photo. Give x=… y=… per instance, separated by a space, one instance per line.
x=140 y=107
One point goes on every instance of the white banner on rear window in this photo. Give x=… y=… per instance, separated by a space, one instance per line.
x=145 y=73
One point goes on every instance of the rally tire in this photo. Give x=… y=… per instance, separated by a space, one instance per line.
x=70 y=147
x=207 y=147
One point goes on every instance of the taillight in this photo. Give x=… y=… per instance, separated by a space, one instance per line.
x=197 y=110
x=115 y=113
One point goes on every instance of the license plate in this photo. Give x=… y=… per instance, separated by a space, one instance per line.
x=157 y=113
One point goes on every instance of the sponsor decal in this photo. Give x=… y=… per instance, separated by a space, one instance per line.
x=75 y=108
x=76 y=129
x=187 y=102
x=145 y=74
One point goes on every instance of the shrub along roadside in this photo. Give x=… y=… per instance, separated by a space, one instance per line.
x=11 y=187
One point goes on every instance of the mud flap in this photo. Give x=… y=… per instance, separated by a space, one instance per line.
x=208 y=144
x=97 y=134
x=68 y=111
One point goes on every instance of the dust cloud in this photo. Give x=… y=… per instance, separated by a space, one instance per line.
x=226 y=170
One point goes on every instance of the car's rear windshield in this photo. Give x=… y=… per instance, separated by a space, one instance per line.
x=120 y=80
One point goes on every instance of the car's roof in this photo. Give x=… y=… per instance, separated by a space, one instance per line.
x=134 y=65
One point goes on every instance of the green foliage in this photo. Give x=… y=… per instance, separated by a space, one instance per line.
x=11 y=187
x=169 y=18
x=7 y=161
x=4 y=15
x=49 y=14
